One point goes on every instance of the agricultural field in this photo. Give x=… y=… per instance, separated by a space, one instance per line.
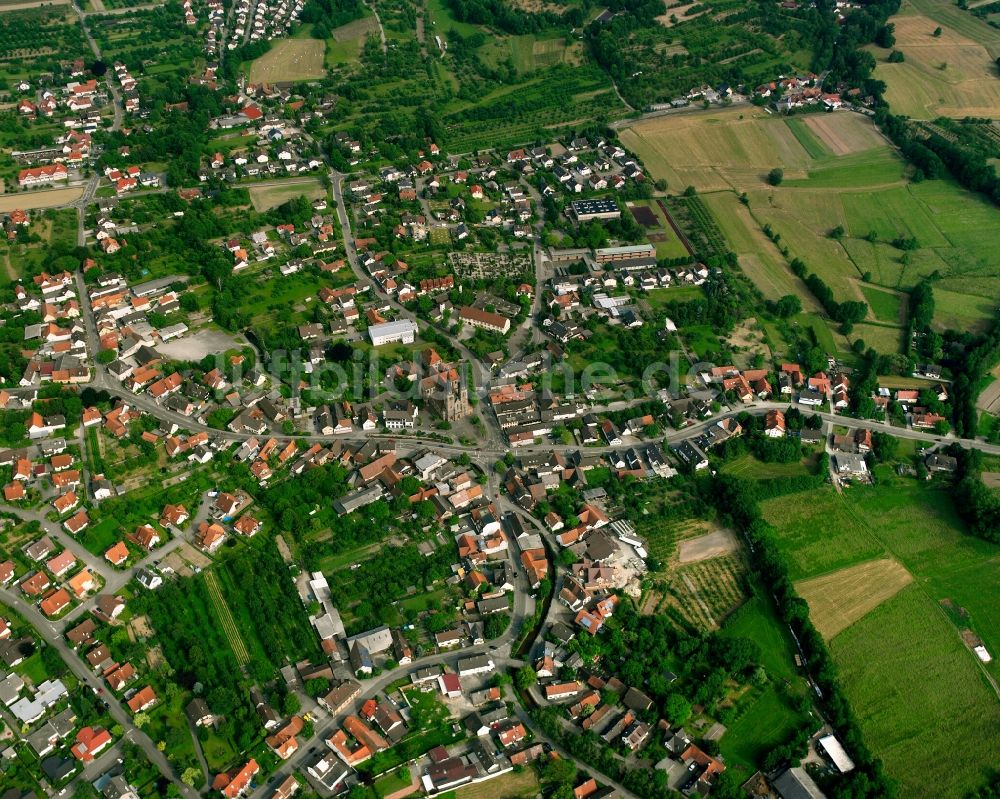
x=704 y=593
x=529 y=53
x=48 y=198
x=838 y=599
x=916 y=690
x=894 y=657
x=821 y=532
x=266 y=197
x=953 y=74
x=290 y=60
x=838 y=171
x=886 y=306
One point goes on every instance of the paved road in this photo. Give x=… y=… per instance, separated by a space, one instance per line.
x=53 y=637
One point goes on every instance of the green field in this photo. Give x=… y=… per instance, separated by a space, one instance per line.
x=916 y=633
x=884 y=305
x=916 y=690
x=764 y=719
x=839 y=171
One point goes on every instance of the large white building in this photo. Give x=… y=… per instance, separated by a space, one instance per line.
x=402 y=330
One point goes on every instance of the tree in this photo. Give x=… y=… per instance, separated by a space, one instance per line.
x=191 y=777
x=677 y=709
x=291 y=704
x=317 y=688
x=775 y=176
x=525 y=678
x=837 y=233
x=938 y=32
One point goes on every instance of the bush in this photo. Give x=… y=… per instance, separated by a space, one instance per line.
x=775 y=176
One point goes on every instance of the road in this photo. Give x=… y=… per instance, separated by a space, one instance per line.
x=53 y=638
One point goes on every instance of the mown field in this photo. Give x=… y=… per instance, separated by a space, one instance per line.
x=953 y=74
x=290 y=60
x=838 y=172
x=903 y=661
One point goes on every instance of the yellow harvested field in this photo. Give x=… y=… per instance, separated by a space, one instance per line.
x=731 y=147
x=290 y=60
x=842 y=135
x=949 y=75
x=50 y=198
x=839 y=599
x=267 y=197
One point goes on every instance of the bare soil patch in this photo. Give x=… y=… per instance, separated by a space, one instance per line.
x=839 y=599
x=842 y=135
x=720 y=542
x=49 y=198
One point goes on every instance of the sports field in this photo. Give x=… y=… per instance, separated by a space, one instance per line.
x=838 y=171
x=290 y=60
x=953 y=74
x=903 y=661
x=46 y=198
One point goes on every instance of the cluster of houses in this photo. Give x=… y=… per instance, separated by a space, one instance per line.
x=578 y=166
x=121 y=315
x=277 y=152
x=54 y=577
x=798 y=91
x=56 y=347
x=263 y=20
x=273 y=244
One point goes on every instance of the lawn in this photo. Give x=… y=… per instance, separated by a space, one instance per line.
x=290 y=60
x=266 y=197
x=748 y=466
x=916 y=691
x=392 y=782
x=701 y=339
x=98 y=537
x=522 y=783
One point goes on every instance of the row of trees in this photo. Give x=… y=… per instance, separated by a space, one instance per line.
x=736 y=501
x=976 y=503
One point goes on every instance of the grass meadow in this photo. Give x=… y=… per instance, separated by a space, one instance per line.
x=913 y=683
x=917 y=693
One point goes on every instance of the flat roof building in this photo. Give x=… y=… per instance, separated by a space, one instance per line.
x=586 y=210
x=402 y=330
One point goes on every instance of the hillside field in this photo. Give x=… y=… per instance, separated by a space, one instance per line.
x=838 y=171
